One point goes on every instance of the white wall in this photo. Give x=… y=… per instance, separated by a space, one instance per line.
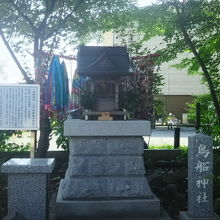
x=178 y=82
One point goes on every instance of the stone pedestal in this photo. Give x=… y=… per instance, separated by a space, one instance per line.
x=186 y=216
x=27 y=187
x=106 y=175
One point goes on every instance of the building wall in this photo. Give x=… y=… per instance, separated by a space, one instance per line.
x=176 y=104
x=178 y=82
x=108 y=39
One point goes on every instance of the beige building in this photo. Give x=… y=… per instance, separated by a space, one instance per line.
x=179 y=87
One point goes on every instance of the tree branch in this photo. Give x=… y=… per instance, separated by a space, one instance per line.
x=63 y=21
x=23 y=72
x=28 y=20
x=49 y=8
x=199 y=59
x=52 y=4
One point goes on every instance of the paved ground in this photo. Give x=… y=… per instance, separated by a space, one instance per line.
x=161 y=136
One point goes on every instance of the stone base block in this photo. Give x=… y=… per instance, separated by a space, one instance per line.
x=185 y=216
x=101 y=209
x=105 y=188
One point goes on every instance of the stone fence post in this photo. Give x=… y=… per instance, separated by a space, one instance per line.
x=27 y=187
x=200 y=175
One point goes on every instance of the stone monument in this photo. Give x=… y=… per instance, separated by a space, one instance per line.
x=105 y=178
x=200 y=184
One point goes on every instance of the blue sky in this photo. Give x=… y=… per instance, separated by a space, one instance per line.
x=145 y=2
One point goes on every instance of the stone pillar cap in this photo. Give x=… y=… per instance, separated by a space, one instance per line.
x=28 y=165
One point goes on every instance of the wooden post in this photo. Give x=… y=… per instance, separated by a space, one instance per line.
x=176 y=137
x=198 y=113
x=116 y=94
x=33 y=143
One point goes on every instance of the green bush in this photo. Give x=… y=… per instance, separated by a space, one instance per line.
x=167 y=146
x=11 y=147
x=157 y=147
x=87 y=99
x=57 y=125
x=209 y=121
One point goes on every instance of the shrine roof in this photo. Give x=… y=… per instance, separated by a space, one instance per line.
x=103 y=61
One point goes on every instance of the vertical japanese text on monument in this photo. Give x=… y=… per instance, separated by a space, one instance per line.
x=19 y=107
x=202 y=168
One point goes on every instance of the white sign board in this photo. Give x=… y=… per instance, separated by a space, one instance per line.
x=19 y=107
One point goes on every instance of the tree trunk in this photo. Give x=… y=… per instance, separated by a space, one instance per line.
x=45 y=128
x=208 y=78
x=200 y=61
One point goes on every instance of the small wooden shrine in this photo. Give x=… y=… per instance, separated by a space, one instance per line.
x=106 y=67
